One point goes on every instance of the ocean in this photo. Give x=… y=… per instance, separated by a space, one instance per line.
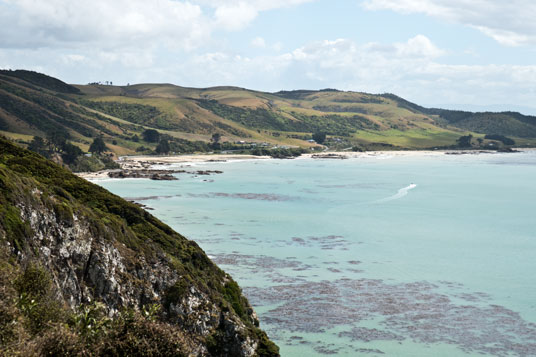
x=383 y=255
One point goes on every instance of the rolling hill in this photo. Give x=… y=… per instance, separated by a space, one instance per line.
x=33 y=104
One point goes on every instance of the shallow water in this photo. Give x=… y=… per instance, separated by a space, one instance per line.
x=407 y=256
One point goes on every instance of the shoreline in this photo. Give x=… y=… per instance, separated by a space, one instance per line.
x=144 y=162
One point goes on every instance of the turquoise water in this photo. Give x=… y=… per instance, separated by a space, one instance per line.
x=407 y=256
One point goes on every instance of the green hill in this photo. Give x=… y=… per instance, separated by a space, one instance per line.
x=40 y=80
x=84 y=272
x=34 y=104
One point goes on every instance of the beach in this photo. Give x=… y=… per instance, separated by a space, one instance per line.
x=144 y=162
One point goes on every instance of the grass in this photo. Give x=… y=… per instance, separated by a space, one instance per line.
x=412 y=139
x=16 y=136
x=241 y=114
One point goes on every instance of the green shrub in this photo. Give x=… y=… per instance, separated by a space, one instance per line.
x=62 y=341
x=8 y=308
x=234 y=296
x=16 y=230
x=175 y=292
x=87 y=164
x=266 y=347
x=91 y=320
x=64 y=213
x=35 y=299
x=136 y=336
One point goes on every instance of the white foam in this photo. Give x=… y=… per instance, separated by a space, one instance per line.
x=401 y=193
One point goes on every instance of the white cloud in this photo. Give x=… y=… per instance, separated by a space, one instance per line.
x=412 y=69
x=258 y=5
x=417 y=46
x=124 y=23
x=100 y=23
x=258 y=42
x=172 y=41
x=510 y=23
x=235 y=16
x=278 y=46
x=73 y=58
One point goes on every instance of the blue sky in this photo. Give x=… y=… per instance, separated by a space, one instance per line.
x=468 y=54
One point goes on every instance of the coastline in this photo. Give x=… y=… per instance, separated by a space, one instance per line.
x=144 y=162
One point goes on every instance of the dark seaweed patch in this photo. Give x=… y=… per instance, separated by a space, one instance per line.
x=369 y=350
x=326 y=349
x=366 y=335
x=328 y=242
x=146 y=198
x=246 y=196
x=417 y=311
x=262 y=264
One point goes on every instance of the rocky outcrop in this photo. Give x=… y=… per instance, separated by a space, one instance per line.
x=165 y=175
x=98 y=247
x=329 y=156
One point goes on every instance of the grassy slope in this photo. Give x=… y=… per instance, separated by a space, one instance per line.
x=283 y=118
x=394 y=122
x=29 y=110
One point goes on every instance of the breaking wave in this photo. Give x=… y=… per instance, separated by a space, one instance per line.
x=401 y=193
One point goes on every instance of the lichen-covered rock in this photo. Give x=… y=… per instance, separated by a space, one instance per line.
x=98 y=247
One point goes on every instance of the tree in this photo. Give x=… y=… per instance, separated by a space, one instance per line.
x=162 y=147
x=71 y=153
x=151 y=136
x=465 y=141
x=57 y=139
x=216 y=138
x=39 y=146
x=319 y=137
x=215 y=141
x=505 y=140
x=98 y=146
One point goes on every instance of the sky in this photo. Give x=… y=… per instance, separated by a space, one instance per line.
x=457 y=54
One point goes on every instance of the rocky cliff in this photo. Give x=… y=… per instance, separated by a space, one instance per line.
x=113 y=278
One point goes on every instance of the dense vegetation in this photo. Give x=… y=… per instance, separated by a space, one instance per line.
x=501 y=138
x=135 y=113
x=41 y=80
x=301 y=94
x=263 y=118
x=504 y=123
x=45 y=112
x=112 y=218
x=33 y=322
x=278 y=153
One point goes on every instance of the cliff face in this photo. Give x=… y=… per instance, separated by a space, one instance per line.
x=96 y=247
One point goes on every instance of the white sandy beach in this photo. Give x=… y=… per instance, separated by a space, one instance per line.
x=146 y=161
x=177 y=159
